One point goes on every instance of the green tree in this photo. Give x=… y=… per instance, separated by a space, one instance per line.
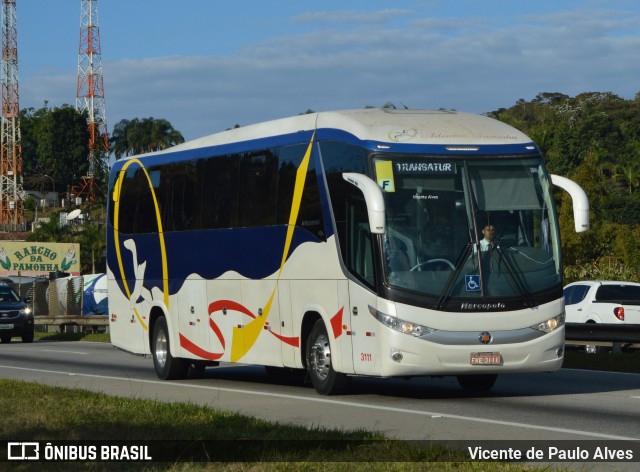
x=92 y=241
x=50 y=232
x=629 y=174
x=55 y=144
x=139 y=136
x=604 y=268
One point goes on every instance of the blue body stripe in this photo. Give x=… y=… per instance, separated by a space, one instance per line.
x=208 y=253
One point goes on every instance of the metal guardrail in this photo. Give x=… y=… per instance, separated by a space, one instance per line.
x=81 y=320
x=49 y=310
x=603 y=332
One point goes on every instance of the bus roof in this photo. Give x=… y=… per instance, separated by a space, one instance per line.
x=439 y=127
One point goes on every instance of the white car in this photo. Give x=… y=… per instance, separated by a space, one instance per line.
x=602 y=301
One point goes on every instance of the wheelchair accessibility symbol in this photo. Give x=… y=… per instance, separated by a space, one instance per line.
x=472 y=282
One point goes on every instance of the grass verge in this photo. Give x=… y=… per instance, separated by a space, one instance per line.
x=91 y=337
x=608 y=361
x=34 y=412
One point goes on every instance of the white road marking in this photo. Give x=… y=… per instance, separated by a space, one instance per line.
x=338 y=403
x=66 y=352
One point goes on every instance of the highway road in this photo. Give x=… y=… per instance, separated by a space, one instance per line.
x=566 y=405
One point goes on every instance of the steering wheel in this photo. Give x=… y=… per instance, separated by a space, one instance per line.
x=433 y=261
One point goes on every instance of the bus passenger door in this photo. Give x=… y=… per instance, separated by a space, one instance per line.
x=363 y=330
x=360 y=262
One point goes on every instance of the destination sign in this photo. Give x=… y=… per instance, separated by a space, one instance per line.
x=414 y=167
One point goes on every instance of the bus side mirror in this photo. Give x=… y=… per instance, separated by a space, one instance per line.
x=580 y=201
x=372 y=197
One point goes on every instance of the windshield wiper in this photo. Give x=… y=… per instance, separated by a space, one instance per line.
x=460 y=262
x=513 y=274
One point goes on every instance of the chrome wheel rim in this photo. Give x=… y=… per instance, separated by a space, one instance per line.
x=320 y=357
x=161 y=348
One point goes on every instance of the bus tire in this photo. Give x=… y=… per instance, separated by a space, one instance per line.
x=28 y=336
x=167 y=367
x=195 y=370
x=324 y=379
x=477 y=383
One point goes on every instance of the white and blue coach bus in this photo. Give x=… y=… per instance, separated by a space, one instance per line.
x=342 y=243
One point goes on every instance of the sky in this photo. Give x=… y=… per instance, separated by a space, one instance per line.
x=207 y=65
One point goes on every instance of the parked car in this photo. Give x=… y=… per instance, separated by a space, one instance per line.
x=16 y=318
x=602 y=301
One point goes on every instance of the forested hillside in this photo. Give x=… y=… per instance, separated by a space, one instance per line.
x=594 y=139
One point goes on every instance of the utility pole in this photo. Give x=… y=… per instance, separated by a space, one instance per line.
x=90 y=94
x=11 y=191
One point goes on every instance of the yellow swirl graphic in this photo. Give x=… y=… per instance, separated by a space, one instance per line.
x=116 y=236
x=245 y=337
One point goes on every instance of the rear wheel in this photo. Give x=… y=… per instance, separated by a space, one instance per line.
x=591 y=349
x=477 y=383
x=324 y=379
x=167 y=367
x=5 y=339
x=594 y=349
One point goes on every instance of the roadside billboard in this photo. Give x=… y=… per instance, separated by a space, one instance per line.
x=34 y=259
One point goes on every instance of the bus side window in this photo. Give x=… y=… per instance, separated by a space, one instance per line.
x=258 y=184
x=360 y=242
x=217 y=192
x=137 y=210
x=310 y=216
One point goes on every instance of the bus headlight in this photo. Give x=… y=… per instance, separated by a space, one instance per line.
x=550 y=325
x=405 y=327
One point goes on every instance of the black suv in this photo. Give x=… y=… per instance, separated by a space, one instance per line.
x=16 y=318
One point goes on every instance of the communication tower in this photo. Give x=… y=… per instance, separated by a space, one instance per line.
x=12 y=205
x=90 y=94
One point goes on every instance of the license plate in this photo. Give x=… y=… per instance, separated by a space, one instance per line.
x=6 y=326
x=485 y=358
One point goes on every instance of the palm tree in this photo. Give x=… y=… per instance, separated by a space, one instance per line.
x=629 y=174
x=50 y=232
x=93 y=242
x=118 y=140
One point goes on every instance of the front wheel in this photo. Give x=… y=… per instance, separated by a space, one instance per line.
x=324 y=379
x=167 y=367
x=477 y=383
x=28 y=337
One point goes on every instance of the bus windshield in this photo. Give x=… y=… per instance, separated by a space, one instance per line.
x=468 y=228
